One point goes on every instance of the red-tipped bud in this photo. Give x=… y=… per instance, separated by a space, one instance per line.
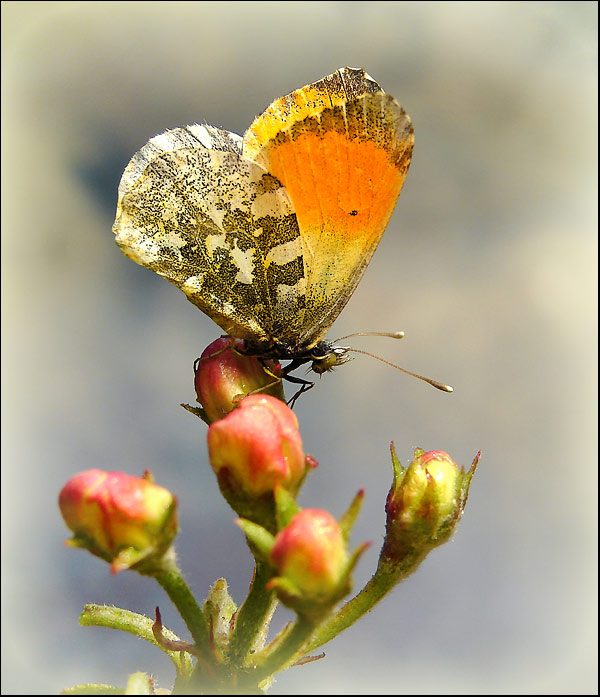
x=223 y=377
x=424 y=504
x=311 y=562
x=252 y=449
x=125 y=520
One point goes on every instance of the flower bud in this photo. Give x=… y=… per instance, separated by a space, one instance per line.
x=252 y=449
x=124 y=520
x=223 y=377
x=311 y=562
x=424 y=504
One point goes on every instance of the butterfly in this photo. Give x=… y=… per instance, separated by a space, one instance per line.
x=269 y=233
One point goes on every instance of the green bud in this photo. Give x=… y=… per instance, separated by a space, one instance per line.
x=426 y=501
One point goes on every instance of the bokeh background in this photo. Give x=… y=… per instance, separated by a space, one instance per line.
x=488 y=265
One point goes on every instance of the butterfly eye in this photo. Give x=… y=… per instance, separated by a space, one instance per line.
x=321 y=351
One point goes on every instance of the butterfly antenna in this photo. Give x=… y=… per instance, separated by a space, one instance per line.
x=434 y=383
x=391 y=335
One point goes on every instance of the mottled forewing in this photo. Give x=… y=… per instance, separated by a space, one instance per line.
x=218 y=226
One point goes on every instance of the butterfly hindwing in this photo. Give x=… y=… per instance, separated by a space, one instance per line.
x=216 y=225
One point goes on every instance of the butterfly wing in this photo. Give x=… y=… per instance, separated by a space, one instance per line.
x=269 y=236
x=216 y=225
x=341 y=147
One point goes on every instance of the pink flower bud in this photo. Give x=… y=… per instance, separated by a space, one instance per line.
x=120 y=518
x=224 y=376
x=255 y=447
x=310 y=556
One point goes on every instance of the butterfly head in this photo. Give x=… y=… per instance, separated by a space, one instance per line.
x=326 y=357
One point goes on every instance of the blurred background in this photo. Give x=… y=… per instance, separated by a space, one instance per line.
x=488 y=265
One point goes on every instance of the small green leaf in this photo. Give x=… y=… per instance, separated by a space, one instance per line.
x=286 y=507
x=260 y=539
x=349 y=518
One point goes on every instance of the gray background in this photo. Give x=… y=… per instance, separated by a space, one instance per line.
x=488 y=265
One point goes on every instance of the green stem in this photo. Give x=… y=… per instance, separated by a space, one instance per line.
x=287 y=651
x=385 y=578
x=252 y=616
x=170 y=578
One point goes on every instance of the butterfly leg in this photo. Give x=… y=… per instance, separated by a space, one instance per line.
x=305 y=385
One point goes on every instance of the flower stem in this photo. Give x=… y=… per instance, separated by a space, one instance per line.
x=170 y=578
x=252 y=616
x=385 y=578
x=287 y=651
